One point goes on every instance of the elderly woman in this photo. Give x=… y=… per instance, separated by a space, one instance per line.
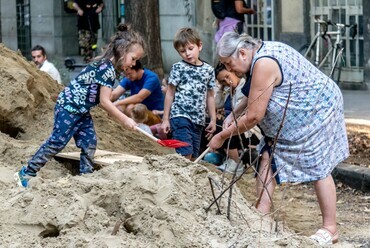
x=300 y=111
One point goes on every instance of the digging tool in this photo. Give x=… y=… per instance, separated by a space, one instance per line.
x=171 y=143
x=202 y=155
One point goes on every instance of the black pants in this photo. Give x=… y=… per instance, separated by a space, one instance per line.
x=235 y=142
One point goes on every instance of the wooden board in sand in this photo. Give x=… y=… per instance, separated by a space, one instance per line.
x=102 y=157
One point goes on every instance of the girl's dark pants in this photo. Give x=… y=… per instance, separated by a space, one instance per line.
x=66 y=126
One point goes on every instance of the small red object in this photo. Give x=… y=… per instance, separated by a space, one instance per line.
x=171 y=143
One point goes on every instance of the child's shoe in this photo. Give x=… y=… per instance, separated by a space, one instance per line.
x=21 y=178
x=86 y=170
x=222 y=167
x=230 y=165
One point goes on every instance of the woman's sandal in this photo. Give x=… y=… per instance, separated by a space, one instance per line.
x=325 y=237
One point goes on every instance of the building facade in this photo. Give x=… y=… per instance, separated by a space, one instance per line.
x=25 y=23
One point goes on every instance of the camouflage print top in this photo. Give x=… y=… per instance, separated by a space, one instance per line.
x=84 y=91
x=192 y=83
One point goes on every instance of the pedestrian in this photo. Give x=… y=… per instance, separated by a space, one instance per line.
x=88 y=25
x=189 y=93
x=91 y=87
x=145 y=87
x=234 y=18
x=300 y=111
x=39 y=57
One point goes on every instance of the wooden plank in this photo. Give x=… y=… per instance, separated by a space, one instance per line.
x=102 y=157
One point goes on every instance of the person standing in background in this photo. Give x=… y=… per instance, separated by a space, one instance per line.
x=40 y=59
x=88 y=25
x=234 y=20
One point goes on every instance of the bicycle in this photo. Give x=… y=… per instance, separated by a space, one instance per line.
x=315 y=50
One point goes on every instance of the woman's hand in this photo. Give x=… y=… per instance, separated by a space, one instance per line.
x=216 y=142
x=99 y=9
x=229 y=120
x=80 y=12
x=157 y=112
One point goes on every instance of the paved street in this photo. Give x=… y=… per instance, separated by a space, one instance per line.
x=357 y=104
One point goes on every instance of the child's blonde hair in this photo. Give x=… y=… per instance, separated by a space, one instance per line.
x=140 y=113
x=185 y=36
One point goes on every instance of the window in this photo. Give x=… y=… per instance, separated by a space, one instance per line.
x=260 y=25
x=24 y=27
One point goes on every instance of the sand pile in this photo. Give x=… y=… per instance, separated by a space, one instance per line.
x=26 y=95
x=159 y=202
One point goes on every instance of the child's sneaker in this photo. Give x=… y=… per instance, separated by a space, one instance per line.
x=230 y=165
x=222 y=167
x=21 y=178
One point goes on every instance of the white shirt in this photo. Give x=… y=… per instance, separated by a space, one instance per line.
x=145 y=127
x=51 y=70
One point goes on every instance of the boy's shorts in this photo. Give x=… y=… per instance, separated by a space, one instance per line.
x=184 y=130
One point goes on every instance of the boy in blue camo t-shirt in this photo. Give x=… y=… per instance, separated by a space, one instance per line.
x=190 y=90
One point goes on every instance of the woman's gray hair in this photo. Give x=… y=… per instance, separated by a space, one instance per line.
x=231 y=42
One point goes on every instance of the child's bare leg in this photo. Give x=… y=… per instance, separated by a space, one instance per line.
x=233 y=154
x=265 y=203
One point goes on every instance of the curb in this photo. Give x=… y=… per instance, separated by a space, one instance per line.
x=357 y=121
x=354 y=176
x=353 y=86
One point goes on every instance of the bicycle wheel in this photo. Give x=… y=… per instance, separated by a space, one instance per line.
x=308 y=54
x=337 y=68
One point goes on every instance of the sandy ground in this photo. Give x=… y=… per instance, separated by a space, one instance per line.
x=298 y=209
x=160 y=202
